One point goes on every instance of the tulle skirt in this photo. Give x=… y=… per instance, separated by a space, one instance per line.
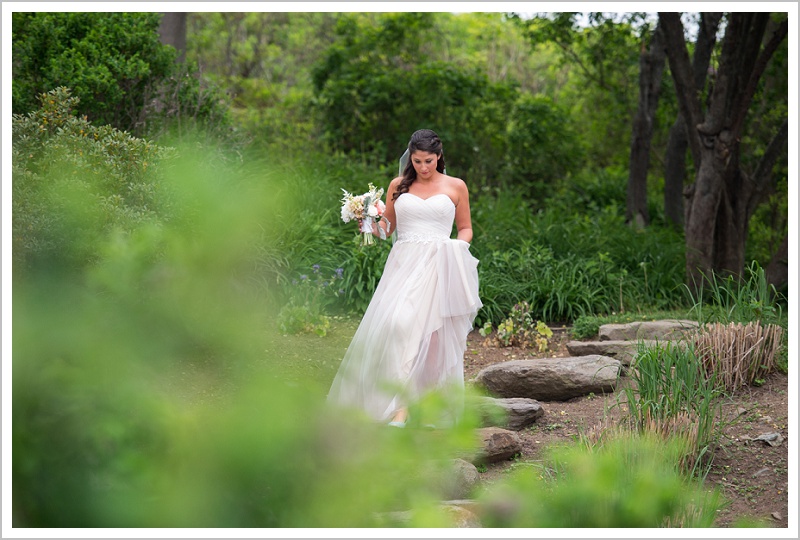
x=413 y=335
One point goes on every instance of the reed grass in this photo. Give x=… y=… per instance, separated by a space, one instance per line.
x=739 y=354
x=673 y=396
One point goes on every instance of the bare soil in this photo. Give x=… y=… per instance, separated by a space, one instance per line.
x=752 y=475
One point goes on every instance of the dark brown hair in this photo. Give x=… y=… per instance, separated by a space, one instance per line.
x=424 y=140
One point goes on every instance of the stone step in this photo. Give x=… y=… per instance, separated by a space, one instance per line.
x=666 y=329
x=622 y=350
x=551 y=379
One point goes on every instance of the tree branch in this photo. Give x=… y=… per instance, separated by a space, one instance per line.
x=706 y=38
x=745 y=97
x=763 y=179
x=682 y=74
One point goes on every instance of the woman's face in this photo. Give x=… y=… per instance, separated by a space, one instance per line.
x=424 y=163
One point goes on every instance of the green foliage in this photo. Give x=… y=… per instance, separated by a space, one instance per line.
x=726 y=300
x=150 y=388
x=115 y=65
x=631 y=481
x=543 y=147
x=672 y=395
x=567 y=263
x=263 y=60
x=72 y=179
x=295 y=319
x=601 y=79
x=378 y=85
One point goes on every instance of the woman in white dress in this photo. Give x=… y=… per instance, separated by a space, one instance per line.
x=413 y=335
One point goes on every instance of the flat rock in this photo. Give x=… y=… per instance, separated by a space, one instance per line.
x=623 y=350
x=551 y=379
x=665 y=329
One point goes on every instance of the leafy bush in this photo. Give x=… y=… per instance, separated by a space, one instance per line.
x=568 y=264
x=367 y=91
x=543 y=148
x=520 y=330
x=75 y=180
x=114 y=63
x=149 y=389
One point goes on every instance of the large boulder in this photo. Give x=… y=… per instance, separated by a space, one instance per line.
x=665 y=329
x=551 y=379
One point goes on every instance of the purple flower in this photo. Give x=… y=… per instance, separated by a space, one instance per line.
x=316 y=268
x=303 y=277
x=339 y=272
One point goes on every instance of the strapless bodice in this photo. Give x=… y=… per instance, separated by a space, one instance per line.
x=424 y=220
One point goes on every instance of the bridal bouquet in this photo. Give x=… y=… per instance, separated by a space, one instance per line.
x=367 y=207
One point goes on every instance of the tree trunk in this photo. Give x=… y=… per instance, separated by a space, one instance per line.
x=777 y=270
x=651 y=70
x=172 y=31
x=675 y=172
x=723 y=197
x=678 y=144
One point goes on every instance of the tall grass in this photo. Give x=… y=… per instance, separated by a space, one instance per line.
x=731 y=300
x=673 y=396
x=568 y=263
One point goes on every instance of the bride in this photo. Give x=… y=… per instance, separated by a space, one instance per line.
x=412 y=338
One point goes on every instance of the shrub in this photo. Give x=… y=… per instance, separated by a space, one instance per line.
x=310 y=299
x=114 y=63
x=74 y=180
x=543 y=148
x=519 y=329
x=367 y=94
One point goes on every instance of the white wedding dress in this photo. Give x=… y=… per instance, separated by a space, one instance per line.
x=414 y=333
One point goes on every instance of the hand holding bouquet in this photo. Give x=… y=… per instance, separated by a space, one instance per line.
x=367 y=208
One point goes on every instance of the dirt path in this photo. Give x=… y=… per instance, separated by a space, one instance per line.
x=752 y=475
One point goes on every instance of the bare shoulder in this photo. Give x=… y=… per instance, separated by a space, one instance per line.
x=395 y=182
x=457 y=184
